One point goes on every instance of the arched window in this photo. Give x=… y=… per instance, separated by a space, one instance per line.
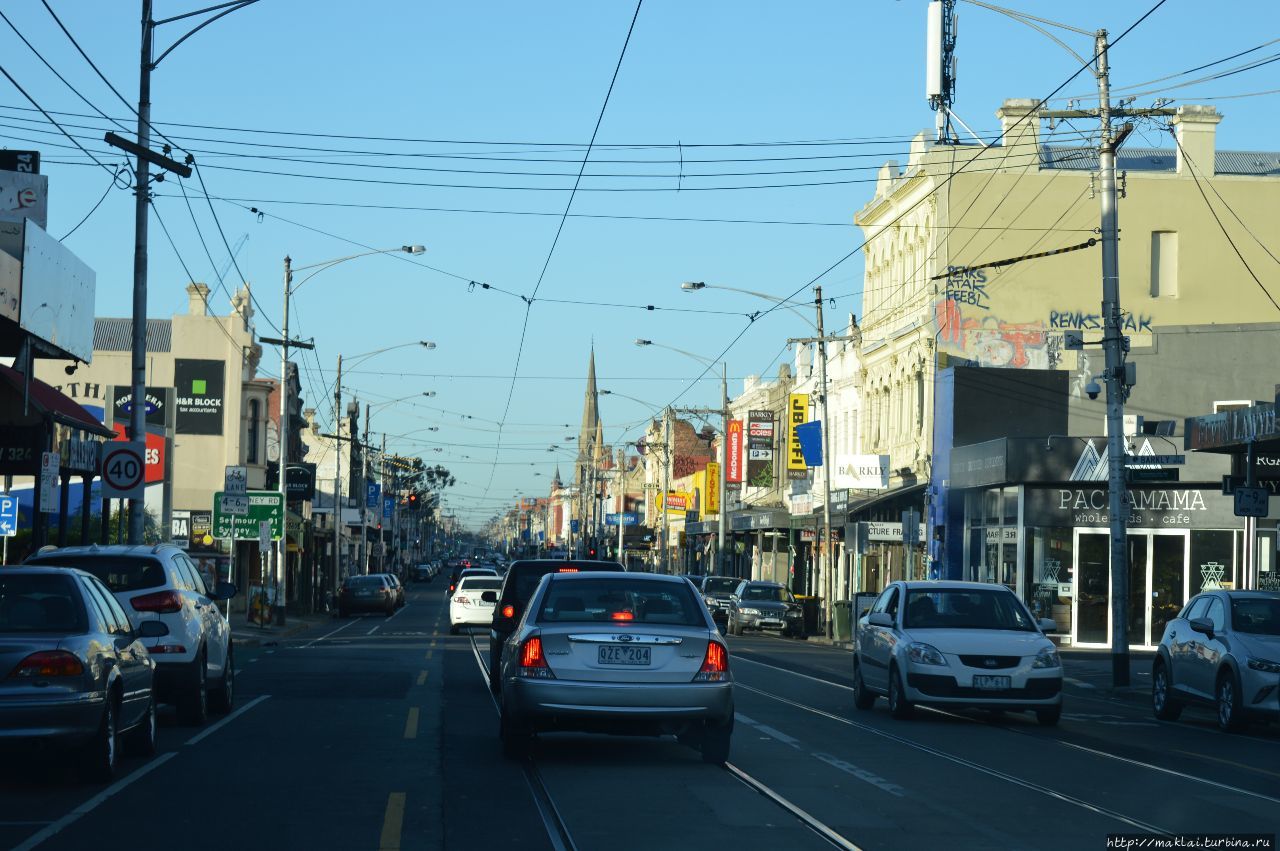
x=254 y=433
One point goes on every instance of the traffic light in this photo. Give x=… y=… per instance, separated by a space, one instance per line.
x=591 y=551
x=413 y=500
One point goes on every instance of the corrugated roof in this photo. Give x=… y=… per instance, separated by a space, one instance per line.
x=1080 y=158
x=116 y=335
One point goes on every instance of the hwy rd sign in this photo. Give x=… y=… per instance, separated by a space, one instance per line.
x=263 y=505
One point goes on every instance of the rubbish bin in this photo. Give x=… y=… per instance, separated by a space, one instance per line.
x=842 y=614
x=812 y=607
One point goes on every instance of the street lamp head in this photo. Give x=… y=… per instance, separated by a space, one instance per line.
x=644 y=342
x=693 y=286
x=414 y=249
x=606 y=392
x=426 y=344
x=428 y=393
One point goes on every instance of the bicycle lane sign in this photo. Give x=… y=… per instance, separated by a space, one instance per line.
x=123 y=470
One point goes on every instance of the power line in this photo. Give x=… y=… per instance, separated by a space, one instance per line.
x=112 y=185
x=23 y=91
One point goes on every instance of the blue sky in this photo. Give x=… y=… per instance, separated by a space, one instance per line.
x=498 y=87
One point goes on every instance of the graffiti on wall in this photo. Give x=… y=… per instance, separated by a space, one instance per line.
x=989 y=341
x=967 y=286
x=1066 y=319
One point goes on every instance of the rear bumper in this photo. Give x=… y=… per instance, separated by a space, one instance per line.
x=459 y=616
x=360 y=604
x=66 y=719
x=569 y=703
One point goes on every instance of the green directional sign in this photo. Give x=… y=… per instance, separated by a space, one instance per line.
x=263 y=505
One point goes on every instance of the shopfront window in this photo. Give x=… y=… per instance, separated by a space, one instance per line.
x=1047 y=575
x=1213 y=562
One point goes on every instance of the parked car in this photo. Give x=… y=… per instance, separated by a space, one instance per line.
x=368 y=593
x=1222 y=650
x=716 y=591
x=616 y=652
x=958 y=644
x=195 y=662
x=517 y=587
x=764 y=605
x=73 y=669
x=422 y=573
x=397 y=587
x=467 y=607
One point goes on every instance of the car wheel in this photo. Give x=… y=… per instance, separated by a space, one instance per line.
x=515 y=737
x=100 y=753
x=1049 y=716
x=1163 y=704
x=193 y=708
x=1230 y=718
x=225 y=692
x=899 y=706
x=715 y=742
x=863 y=697
x=141 y=739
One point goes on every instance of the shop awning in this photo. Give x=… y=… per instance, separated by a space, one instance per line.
x=910 y=491
x=44 y=401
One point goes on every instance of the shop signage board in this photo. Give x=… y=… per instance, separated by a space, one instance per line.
x=797 y=415
x=300 y=482
x=158 y=401
x=651 y=486
x=629 y=518
x=180 y=528
x=760 y=435
x=1149 y=507
x=201 y=529
x=733 y=458
x=861 y=472
x=263 y=505
x=199 y=392
x=713 y=488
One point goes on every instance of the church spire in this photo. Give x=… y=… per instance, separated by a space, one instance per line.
x=590 y=411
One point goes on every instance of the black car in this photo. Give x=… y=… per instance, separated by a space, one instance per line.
x=397 y=587
x=366 y=594
x=422 y=573
x=716 y=591
x=765 y=605
x=517 y=588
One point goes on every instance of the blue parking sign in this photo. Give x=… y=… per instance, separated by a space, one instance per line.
x=8 y=515
x=388 y=507
x=373 y=496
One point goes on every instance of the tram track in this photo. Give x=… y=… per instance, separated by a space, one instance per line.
x=558 y=830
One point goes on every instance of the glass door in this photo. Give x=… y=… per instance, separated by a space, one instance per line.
x=1170 y=563
x=1091 y=616
x=1139 y=596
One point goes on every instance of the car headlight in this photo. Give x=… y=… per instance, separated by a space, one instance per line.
x=749 y=611
x=710 y=601
x=1265 y=665
x=925 y=654
x=1047 y=658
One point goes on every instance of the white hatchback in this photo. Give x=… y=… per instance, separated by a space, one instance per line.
x=195 y=665
x=963 y=644
x=466 y=608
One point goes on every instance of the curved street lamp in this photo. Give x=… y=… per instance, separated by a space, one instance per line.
x=694 y=286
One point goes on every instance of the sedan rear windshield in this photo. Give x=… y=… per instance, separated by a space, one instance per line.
x=119 y=573
x=366 y=582
x=1256 y=615
x=720 y=585
x=480 y=583
x=959 y=608
x=39 y=603
x=621 y=601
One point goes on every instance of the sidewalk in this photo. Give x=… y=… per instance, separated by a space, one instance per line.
x=245 y=633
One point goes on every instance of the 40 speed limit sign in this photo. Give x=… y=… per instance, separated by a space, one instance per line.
x=123 y=470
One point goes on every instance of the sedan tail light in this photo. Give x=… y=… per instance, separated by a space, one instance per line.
x=461 y=599
x=715 y=665
x=48 y=663
x=533 y=664
x=164 y=602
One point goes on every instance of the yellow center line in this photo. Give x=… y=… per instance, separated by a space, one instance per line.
x=411 y=724
x=422 y=678
x=392 y=822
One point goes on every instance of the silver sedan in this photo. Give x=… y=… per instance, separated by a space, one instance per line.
x=613 y=652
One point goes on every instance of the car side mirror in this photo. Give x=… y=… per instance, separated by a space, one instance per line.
x=1047 y=624
x=1203 y=626
x=224 y=591
x=152 y=629
x=880 y=619
x=489 y=596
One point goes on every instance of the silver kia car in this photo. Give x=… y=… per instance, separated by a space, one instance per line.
x=1223 y=650
x=612 y=652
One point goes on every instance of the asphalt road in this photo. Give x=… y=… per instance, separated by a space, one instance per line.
x=372 y=733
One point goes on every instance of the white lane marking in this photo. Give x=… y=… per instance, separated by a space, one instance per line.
x=209 y=731
x=862 y=774
x=1078 y=683
x=1017 y=781
x=326 y=635
x=771 y=732
x=88 y=806
x=792 y=673
x=808 y=820
x=1162 y=770
x=388 y=620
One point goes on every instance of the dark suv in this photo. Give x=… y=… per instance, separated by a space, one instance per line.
x=518 y=587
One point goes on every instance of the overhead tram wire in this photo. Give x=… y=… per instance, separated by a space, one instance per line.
x=524 y=325
x=115 y=179
x=1121 y=89
x=902 y=214
x=34 y=103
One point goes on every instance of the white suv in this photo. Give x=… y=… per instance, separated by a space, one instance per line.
x=195 y=666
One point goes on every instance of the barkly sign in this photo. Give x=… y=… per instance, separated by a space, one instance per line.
x=1148 y=508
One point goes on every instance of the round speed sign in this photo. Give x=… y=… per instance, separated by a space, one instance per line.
x=123 y=470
